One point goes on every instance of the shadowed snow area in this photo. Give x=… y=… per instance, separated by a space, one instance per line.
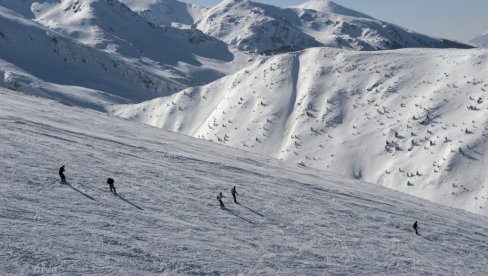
x=166 y=219
x=103 y=46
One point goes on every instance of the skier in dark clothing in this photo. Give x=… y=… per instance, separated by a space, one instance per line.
x=110 y=182
x=219 y=198
x=415 y=226
x=234 y=193
x=61 y=174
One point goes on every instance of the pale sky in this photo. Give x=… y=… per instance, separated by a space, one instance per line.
x=460 y=20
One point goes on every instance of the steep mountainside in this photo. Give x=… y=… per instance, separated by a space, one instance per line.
x=260 y=28
x=166 y=220
x=32 y=52
x=414 y=120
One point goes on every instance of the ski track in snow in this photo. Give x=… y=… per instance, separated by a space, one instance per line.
x=166 y=220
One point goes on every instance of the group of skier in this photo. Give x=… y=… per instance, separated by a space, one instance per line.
x=220 y=196
x=110 y=181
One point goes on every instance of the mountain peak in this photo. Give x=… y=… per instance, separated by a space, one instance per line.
x=330 y=7
x=255 y=27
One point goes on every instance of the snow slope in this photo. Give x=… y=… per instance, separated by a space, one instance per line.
x=481 y=40
x=414 y=120
x=255 y=27
x=166 y=220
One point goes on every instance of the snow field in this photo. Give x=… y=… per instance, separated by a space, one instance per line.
x=292 y=221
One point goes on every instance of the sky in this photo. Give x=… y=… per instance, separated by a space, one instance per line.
x=460 y=20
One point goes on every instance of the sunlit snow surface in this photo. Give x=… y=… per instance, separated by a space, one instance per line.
x=414 y=120
x=291 y=221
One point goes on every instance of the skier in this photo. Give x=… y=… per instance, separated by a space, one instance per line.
x=219 y=198
x=61 y=174
x=415 y=226
x=234 y=193
x=110 y=182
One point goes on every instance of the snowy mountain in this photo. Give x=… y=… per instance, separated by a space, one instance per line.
x=166 y=220
x=414 y=120
x=255 y=27
x=111 y=26
x=481 y=40
x=100 y=52
x=167 y=12
x=102 y=45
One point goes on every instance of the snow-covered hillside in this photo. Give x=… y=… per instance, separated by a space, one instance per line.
x=102 y=45
x=414 y=120
x=167 y=12
x=166 y=220
x=481 y=40
x=255 y=27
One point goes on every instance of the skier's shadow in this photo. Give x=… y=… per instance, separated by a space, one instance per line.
x=86 y=195
x=471 y=157
x=234 y=213
x=126 y=200
x=255 y=212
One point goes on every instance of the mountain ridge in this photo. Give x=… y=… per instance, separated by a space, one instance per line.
x=260 y=28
